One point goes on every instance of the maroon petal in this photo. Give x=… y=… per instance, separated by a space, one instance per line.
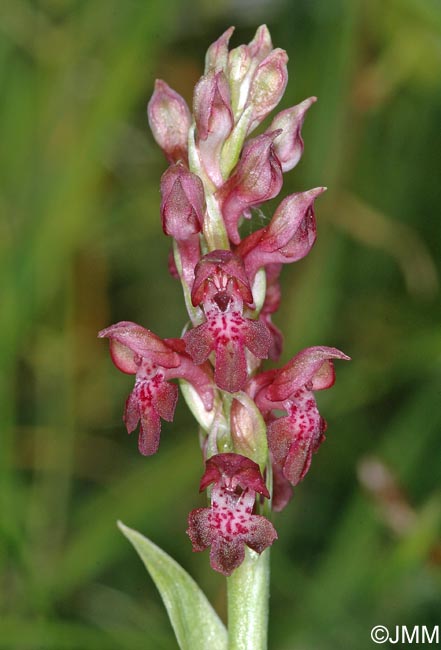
x=225 y=556
x=199 y=343
x=231 y=366
x=131 y=412
x=227 y=263
x=261 y=534
x=298 y=460
x=165 y=399
x=244 y=471
x=282 y=490
x=280 y=435
x=199 y=530
x=257 y=338
x=149 y=434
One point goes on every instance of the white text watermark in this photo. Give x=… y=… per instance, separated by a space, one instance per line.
x=420 y=634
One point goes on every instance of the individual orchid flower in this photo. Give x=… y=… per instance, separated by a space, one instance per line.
x=183 y=202
x=229 y=524
x=258 y=178
x=169 y=120
x=242 y=64
x=294 y=437
x=214 y=121
x=221 y=286
x=182 y=213
x=289 y=144
x=288 y=237
x=267 y=86
x=137 y=351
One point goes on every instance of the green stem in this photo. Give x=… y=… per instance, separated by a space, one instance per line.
x=248 y=602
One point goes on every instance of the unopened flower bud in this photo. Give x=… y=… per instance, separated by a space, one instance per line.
x=248 y=430
x=261 y=45
x=214 y=121
x=242 y=63
x=239 y=63
x=289 y=144
x=169 y=119
x=258 y=178
x=183 y=202
x=267 y=86
x=216 y=58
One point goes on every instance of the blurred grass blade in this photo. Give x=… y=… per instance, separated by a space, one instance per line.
x=196 y=624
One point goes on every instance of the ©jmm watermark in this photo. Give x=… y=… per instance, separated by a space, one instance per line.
x=403 y=634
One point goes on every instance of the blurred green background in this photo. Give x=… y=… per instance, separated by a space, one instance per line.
x=82 y=247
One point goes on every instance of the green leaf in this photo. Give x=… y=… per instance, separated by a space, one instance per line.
x=196 y=624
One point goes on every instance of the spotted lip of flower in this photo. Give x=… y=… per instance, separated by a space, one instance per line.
x=136 y=350
x=295 y=437
x=222 y=287
x=229 y=524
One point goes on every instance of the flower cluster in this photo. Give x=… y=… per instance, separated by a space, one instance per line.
x=258 y=429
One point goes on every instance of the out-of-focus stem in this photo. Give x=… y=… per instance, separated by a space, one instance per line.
x=248 y=602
